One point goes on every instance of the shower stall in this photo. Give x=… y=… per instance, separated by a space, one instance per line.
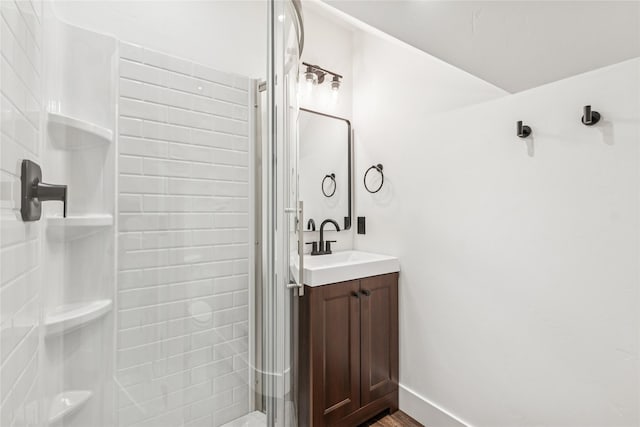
x=149 y=210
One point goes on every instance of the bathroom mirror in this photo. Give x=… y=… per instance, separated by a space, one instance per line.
x=325 y=168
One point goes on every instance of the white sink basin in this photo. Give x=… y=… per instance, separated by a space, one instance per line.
x=345 y=265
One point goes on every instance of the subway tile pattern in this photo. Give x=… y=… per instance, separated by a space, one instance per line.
x=20 y=101
x=183 y=226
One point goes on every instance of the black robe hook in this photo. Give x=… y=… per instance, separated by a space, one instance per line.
x=589 y=117
x=523 y=131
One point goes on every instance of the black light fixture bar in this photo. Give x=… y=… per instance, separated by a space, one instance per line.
x=323 y=70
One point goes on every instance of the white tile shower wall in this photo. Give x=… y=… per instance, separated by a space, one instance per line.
x=183 y=242
x=20 y=101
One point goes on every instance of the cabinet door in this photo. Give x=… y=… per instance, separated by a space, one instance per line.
x=379 y=335
x=335 y=312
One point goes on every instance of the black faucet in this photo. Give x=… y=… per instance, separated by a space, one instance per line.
x=311 y=225
x=326 y=250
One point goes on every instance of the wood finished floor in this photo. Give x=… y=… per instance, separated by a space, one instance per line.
x=397 y=419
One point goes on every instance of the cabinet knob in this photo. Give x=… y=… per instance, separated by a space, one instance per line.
x=366 y=292
x=355 y=294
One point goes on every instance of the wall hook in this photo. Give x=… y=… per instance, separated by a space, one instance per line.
x=589 y=117
x=523 y=131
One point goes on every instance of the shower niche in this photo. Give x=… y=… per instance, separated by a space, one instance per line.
x=79 y=249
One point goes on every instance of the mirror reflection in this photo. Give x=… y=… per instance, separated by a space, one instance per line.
x=325 y=172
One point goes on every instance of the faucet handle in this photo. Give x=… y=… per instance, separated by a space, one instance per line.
x=314 y=247
x=327 y=247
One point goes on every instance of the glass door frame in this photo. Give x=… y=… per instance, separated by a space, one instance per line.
x=280 y=210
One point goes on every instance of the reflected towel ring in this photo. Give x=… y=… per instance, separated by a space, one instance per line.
x=332 y=177
x=378 y=168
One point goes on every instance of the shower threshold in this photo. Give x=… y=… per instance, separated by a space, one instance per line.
x=252 y=419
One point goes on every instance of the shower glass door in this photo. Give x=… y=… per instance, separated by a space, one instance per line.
x=283 y=211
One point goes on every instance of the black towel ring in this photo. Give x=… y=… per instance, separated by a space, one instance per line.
x=378 y=168
x=332 y=177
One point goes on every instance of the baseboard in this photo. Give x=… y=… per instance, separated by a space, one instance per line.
x=426 y=412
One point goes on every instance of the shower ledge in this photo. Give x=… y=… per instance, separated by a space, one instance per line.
x=66 y=403
x=69 y=133
x=77 y=226
x=65 y=318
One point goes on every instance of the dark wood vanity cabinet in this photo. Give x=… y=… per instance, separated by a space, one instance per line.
x=348 y=354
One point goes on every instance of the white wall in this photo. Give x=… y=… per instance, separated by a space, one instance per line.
x=224 y=34
x=328 y=43
x=519 y=281
x=20 y=291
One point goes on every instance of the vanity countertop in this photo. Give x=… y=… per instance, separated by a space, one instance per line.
x=345 y=265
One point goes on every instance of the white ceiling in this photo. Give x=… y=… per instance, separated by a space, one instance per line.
x=515 y=45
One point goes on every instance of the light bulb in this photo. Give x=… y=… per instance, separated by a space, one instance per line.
x=334 y=97
x=308 y=86
x=310 y=76
x=335 y=83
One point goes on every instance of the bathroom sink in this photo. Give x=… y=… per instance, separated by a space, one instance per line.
x=345 y=265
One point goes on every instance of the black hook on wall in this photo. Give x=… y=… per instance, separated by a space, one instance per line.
x=523 y=131
x=589 y=117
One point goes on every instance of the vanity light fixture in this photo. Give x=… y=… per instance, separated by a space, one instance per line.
x=316 y=75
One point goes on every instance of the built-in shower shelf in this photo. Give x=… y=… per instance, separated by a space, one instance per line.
x=71 y=316
x=69 y=133
x=66 y=403
x=76 y=227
